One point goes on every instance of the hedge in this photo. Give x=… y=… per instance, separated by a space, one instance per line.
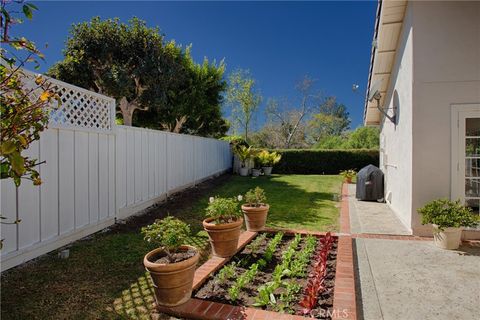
x=314 y=161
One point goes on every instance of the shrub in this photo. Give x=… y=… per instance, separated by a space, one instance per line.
x=312 y=161
x=447 y=214
x=243 y=153
x=169 y=233
x=223 y=210
x=268 y=159
x=255 y=197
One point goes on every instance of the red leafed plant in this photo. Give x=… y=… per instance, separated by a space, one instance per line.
x=317 y=276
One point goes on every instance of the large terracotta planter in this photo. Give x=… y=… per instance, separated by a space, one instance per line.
x=172 y=283
x=255 y=217
x=223 y=237
x=449 y=238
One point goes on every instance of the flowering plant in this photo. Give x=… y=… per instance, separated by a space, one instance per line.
x=224 y=210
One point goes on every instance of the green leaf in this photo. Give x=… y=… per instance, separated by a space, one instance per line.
x=7 y=147
x=18 y=163
x=27 y=11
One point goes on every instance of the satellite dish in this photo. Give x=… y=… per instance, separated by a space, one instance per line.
x=374 y=92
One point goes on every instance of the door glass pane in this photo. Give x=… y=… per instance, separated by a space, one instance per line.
x=472 y=127
x=472 y=167
x=472 y=187
x=472 y=147
x=473 y=203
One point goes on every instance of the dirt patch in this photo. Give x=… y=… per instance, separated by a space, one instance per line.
x=176 y=204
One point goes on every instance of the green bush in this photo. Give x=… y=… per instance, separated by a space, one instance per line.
x=448 y=214
x=314 y=161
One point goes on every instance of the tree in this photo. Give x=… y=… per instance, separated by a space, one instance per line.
x=291 y=119
x=134 y=64
x=331 y=120
x=243 y=98
x=364 y=138
x=24 y=100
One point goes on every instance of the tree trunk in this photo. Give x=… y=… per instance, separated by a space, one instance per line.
x=127 y=110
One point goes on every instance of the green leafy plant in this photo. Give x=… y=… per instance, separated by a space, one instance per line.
x=348 y=174
x=255 y=197
x=226 y=273
x=287 y=297
x=223 y=210
x=244 y=154
x=242 y=281
x=255 y=244
x=269 y=159
x=169 y=233
x=298 y=266
x=448 y=214
x=272 y=245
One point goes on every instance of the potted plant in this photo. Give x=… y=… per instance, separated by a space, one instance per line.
x=244 y=154
x=223 y=224
x=348 y=175
x=172 y=265
x=257 y=170
x=268 y=160
x=255 y=209
x=447 y=218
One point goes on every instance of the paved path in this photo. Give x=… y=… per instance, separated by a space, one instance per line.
x=410 y=280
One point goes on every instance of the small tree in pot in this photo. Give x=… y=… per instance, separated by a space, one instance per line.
x=244 y=154
x=172 y=265
x=223 y=223
x=447 y=218
x=255 y=209
x=268 y=160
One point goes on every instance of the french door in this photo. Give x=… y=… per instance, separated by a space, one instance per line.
x=466 y=155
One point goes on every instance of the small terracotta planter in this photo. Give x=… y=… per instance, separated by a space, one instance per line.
x=348 y=180
x=172 y=282
x=223 y=237
x=255 y=217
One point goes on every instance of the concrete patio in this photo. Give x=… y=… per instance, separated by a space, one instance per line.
x=409 y=279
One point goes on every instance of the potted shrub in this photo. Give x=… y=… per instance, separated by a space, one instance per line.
x=448 y=219
x=255 y=209
x=268 y=160
x=223 y=224
x=348 y=175
x=244 y=154
x=257 y=170
x=172 y=265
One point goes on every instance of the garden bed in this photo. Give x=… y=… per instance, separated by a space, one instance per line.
x=278 y=272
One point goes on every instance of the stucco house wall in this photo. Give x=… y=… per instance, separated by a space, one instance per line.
x=437 y=64
x=446 y=71
x=396 y=138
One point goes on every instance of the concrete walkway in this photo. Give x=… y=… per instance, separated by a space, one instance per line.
x=404 y=279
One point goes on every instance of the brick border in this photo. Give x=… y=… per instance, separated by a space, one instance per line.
x=344 y=305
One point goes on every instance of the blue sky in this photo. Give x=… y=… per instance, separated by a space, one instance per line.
x=278 y=42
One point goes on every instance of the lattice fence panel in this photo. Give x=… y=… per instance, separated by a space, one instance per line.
x=79 y=108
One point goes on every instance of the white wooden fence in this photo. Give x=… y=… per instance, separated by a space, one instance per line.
x=96 y=172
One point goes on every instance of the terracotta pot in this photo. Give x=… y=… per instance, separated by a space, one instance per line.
x=256 y=172
x=255 y=217
x=267 y=170
x=223 y=237
x=243 y=171
x=348 y=180
x=449 y=238
x=172 y=283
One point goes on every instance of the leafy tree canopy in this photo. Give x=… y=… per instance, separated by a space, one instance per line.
x=134 y=64
x=360 y=138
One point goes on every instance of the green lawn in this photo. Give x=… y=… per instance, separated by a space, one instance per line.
x=104 y=277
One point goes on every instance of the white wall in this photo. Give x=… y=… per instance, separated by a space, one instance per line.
x=446 y=59
x=396 y=139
